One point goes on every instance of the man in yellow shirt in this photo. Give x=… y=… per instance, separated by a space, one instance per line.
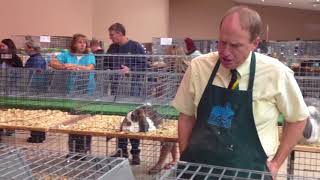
x=229 y=102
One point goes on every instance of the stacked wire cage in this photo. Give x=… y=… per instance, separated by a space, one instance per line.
x=30 y=164
x=92 y=104
x=305 y=159
x=195 y=171
x=81 y=112
x=204 y=46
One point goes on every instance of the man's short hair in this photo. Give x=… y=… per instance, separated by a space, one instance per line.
x=117 y=27
x=250 y=20
x=33 y=44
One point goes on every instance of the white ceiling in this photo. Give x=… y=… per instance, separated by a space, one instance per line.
x=299 y=4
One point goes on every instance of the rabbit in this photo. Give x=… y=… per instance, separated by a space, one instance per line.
x=137 y=121
x=152 y=114
x=311 y=131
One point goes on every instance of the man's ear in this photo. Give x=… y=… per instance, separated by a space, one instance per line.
x=256 y=42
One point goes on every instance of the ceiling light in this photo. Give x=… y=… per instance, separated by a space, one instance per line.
x=290 y=3
x=262 y=0
x=318 y=0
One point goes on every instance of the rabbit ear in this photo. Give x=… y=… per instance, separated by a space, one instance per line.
x=141 y=112
x=129 y=116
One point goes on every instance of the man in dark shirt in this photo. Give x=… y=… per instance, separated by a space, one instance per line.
x=127 y=60
x=128 y=65
x=122 y=45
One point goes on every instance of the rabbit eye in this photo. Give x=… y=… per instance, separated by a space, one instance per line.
x=134 y=117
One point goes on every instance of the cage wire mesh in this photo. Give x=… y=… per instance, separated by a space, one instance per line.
x=90 y=105
x=305 y=161
x=195 y=171
x=298 y=48
x=160 y=48
x=307 y=71
x=27 y=163
x=82 y=111
x=204 y=46
x=51 y=43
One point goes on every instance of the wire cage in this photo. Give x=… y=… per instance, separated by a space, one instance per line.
x=195 y=171
x=82 y=111
x=304 y=160
x=91 y=105
x=204 y=46
x=307 y=71
x=54 y=42
x=28 y=163
x=160 y=48
x=297 y=48
x=67 y=143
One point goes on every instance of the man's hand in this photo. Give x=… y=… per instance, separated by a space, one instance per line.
x=291 y=134
x=125 y=69
x=273 y=168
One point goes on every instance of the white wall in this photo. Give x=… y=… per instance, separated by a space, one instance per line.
x=45 y=17
x=143 y=19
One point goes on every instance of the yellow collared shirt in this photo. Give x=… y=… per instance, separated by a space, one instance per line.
x=275 y=92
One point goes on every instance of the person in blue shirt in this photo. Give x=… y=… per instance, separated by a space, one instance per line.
x=38 y=80
x=35 y=60
x=77 y=59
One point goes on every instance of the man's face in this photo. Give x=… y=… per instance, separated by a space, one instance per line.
x=28 y=49
x=115 y=36
x=234 y=42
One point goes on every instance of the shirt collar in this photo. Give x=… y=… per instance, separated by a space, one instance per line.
x=244 y=68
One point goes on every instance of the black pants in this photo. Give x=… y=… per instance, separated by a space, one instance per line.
x=123 y=144
x=79 y=143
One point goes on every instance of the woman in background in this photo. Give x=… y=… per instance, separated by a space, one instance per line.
x=191 y=48
x=77 y=59
x=11 y=59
